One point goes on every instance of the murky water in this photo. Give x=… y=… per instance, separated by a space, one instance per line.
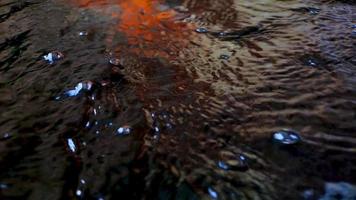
x=177 y=99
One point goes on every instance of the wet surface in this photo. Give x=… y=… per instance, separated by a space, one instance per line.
x=118 y=99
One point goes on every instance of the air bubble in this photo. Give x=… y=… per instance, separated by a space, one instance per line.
x=286 y=137
x=124 y=130
x=201 y=30
x=52 y=57
x=224 y=57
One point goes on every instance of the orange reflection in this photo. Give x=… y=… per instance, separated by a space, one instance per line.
x=148 y=24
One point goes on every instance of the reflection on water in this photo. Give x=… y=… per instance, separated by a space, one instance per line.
x=175 y=99
x=146 y=25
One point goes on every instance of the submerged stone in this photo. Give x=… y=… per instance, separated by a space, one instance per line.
x=286 y=137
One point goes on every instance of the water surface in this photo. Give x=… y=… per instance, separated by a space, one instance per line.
x=177 y=99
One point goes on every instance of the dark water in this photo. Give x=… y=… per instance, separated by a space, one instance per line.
x=189 y=107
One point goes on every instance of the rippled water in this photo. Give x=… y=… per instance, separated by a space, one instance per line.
x=177 y=99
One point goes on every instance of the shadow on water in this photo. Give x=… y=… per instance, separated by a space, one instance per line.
x=177 y=99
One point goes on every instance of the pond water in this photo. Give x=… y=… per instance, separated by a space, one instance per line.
x=177 y=99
